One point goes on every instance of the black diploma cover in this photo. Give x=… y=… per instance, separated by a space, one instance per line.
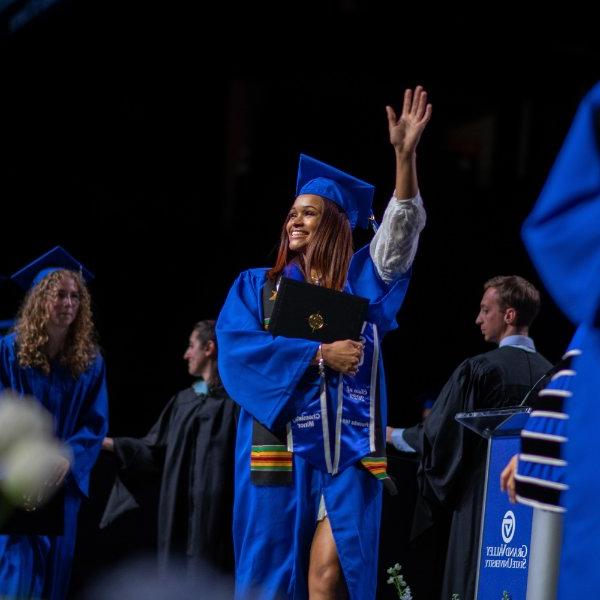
x=311 y=312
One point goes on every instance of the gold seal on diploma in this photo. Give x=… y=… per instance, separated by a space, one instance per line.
x=316 y=321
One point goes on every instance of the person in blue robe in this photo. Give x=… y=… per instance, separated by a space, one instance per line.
x=562 y=235
x=52 y=356
x=310 y=458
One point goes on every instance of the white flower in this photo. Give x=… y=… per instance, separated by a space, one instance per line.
x=32 y=460
x=397 y=567
x=30 y=471
x=390 y=579
x=22 y=418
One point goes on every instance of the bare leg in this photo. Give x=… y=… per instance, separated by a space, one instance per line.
x=325 y=577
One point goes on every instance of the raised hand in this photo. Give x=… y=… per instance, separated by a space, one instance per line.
x=406 y=130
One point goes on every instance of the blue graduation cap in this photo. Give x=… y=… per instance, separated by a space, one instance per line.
x=353 y=195
x=54 y=260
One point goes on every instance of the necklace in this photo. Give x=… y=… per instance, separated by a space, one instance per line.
x=315 y=278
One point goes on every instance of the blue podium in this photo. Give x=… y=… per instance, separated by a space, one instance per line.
x=504 y=546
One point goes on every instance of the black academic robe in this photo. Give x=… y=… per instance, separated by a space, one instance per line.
x=191 y=447
x=452 y=470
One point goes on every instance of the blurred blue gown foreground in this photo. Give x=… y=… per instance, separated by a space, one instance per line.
x=274 y=525
x=39 y=566
x=562 y=235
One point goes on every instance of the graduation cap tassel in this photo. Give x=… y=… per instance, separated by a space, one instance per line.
x=373 y=223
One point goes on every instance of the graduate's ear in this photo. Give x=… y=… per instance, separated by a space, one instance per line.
x=510 y=316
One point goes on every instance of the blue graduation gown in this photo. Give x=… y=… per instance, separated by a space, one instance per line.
x=539 y=481
x=562 y=235
x=274 y=525
x=39 y=566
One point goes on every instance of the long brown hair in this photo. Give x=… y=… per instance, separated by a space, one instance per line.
x=329 y=252
x=31 y=328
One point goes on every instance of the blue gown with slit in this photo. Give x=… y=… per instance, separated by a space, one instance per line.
x=274 y=525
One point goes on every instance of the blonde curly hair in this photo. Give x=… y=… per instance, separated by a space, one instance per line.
x=31 y=329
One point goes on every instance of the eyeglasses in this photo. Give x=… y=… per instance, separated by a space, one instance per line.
x=74 y=297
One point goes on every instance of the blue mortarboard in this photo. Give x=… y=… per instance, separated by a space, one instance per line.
x=351 y=194
x=53 y=260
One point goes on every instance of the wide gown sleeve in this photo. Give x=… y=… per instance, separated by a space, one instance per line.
x=561 y=233
x=385 y=299
x=447 y=446
x=259 y=371
x=145 y=455
x=140 y=463
x=86 y=441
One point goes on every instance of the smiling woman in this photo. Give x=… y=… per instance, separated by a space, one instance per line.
x=303 y=221
x=310 y=447
x=317 y=235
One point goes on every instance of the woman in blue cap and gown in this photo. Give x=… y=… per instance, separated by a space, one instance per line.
x=310 y=459
x=52 y=355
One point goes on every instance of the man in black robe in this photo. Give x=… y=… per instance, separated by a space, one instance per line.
x=191 y=448
x=452 y=469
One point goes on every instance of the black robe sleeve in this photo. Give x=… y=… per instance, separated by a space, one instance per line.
x=447 y=446
x=139 y=465
x=413 y=436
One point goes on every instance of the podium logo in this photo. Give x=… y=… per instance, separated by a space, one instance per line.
x=509 y=524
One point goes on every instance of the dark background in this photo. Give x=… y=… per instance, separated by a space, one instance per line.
x=158 y=143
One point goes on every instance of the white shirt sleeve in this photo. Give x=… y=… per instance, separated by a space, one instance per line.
x=394 y=246
x=399 y=442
